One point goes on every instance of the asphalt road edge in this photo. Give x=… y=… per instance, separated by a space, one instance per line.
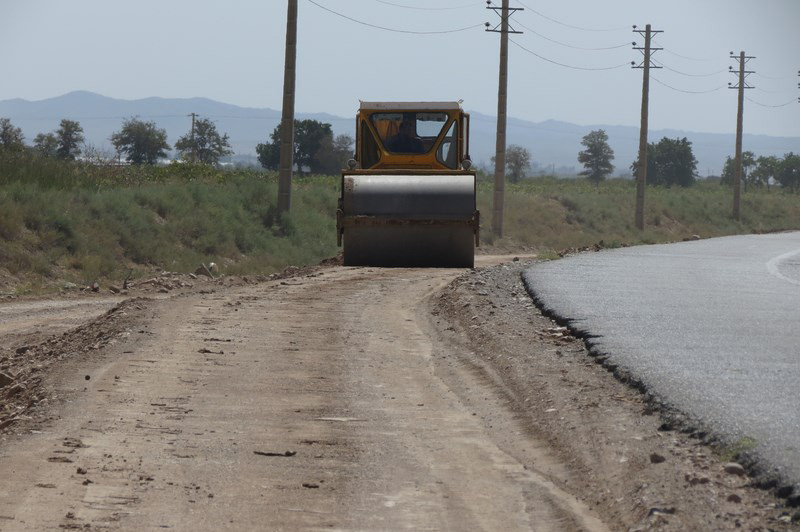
x=764 y=476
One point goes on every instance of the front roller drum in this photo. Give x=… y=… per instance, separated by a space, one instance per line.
x=368 y=241
x=406 y=245
x=408 y=220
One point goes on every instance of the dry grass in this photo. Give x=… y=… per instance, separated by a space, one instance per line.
x=67 y=222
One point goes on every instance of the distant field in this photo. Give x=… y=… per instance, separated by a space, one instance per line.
x=567 y=213
x=78 y=224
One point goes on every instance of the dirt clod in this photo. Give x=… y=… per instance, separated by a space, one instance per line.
x=734 y=498
x=732 y=468
x=266 y=453
x=5 y=380
x=656 y=458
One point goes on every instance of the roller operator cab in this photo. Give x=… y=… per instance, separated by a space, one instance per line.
x=409 y=197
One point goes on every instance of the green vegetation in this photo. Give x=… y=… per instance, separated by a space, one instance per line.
x=11 y=137
x=670 y=162
x=141 y=142
x=203 y=144
x=737 y=449
x=759 y=172
x=315 y=148
x=68 y=227
x=71 y=221
x=597 y=157
x=556 y=214
x=518 y=163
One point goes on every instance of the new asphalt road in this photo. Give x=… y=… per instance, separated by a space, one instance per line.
x=710 y=327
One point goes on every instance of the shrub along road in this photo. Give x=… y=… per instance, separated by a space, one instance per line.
x=348 y=398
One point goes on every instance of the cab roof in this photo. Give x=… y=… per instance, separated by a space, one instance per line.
x=410 y=106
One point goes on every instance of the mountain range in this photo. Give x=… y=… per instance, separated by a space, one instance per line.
x=554 y=145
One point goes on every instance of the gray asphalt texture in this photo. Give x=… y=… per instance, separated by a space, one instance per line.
x=710 y=328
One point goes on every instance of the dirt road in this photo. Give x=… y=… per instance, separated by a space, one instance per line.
x=345 y=399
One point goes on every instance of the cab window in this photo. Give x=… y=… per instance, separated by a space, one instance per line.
x=447 y=154
x=409 y=132
x=370 y=155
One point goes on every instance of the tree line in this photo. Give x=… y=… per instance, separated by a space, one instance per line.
x=760 y=172
x=670 y=162
x=316 y=150
x=141 y=142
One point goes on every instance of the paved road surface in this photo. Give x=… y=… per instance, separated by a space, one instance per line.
x=712 y=327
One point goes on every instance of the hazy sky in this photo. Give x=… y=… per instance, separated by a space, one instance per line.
x=234 y=51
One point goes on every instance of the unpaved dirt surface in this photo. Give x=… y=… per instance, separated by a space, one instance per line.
x=342 y=399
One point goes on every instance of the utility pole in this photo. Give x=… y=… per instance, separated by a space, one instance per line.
x=194 y=146
x=287 y=117
x=740 y=86
x=641 y=174
x=505 y=13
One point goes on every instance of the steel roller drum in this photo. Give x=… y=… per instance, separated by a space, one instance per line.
x=409 y=220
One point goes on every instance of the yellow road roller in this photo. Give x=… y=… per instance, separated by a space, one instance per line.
x=408 y=197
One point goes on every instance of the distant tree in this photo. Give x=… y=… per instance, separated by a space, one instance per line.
x=669 y=162
x=766 y=170
x=141 y=142
x=11 y=137
x=206 y=145
x=518 y=162
x=46 y=144
x=597 y=156
x=308 y=138
x=70 y=138
x=334 y=153
x=729 y=169
x=269 y=153
x=789 y=172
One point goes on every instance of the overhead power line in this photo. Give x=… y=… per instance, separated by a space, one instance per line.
x=767 y=105
x=570 y=45
x=770 y=91
x=429 y=8
x=688 y=74
x=683 y=90
x=771 y=77
x=699 y=59
x=543 y=58
x=392 y=29
x=569 y=25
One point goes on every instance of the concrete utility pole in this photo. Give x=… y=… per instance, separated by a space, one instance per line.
x=194 y=147
x=505 y=13
x=287 y=117
x=740 y=86
x=641 y=174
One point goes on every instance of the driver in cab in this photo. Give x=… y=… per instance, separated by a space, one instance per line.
x=406 y=140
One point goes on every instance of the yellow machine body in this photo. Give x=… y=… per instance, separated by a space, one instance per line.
x=409 y=198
